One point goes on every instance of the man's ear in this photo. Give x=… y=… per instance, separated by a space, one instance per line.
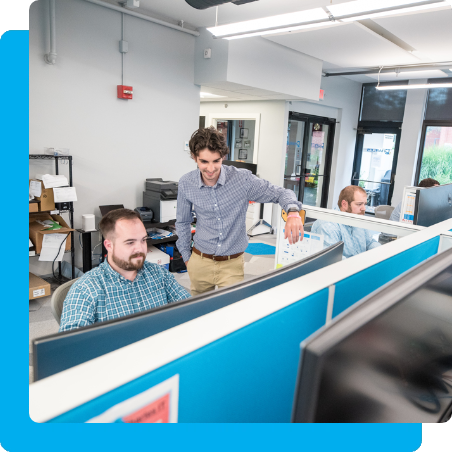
x=108 y=245
x=344 y=204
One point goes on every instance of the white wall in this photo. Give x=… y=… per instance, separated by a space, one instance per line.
x=409 y=140
x=116 y=144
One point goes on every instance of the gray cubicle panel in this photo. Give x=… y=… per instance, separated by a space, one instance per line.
x=433 y=205
x=58 y=352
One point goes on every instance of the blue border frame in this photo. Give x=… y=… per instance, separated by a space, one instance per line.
x=18 y=433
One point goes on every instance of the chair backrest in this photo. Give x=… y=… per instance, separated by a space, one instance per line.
x=383 y=212
x=57 y=300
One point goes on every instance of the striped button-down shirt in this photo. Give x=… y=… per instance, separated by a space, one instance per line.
x=356 y=240
x=103 y=294
x=221 y=209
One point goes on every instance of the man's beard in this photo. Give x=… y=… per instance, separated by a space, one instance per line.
x=349 y=210
x=129 y=265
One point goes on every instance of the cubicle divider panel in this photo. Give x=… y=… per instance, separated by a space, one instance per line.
x=246 y=376
x=355 y=287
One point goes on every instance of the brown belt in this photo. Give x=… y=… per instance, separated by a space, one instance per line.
x=217 y=258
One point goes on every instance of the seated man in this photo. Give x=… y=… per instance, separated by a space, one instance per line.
x=352 y=199
x=125 y=282
x=426 y=183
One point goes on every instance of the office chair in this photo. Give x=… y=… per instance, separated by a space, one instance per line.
x=383 y=212
x=56 y=302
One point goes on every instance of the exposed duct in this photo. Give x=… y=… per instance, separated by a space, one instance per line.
x=50 y=58
x=204 y=4
x=144 y=17
x=390 y=69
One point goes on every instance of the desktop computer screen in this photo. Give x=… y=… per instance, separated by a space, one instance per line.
x=55 y=353
x=387 y=359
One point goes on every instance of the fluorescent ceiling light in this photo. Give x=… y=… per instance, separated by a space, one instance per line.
x=280 y=21
x=205 y=95
x=395 y=11
x=362 y=6
x=414 y=86
x=284 y=30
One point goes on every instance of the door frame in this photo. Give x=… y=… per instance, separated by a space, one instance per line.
x=425 y=124
x=211 y=119
x=331 y=122
x=369 y=127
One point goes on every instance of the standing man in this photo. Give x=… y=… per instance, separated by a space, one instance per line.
x=219 y=196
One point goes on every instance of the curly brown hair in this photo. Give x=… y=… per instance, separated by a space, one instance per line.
x=208 y=138
x=429 y=182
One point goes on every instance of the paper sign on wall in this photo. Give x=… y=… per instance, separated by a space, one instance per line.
x=158 y=404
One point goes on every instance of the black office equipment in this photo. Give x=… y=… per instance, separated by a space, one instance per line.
x=249 y=166
x=387 y=359
x=161 y=197
x=105 y=209
x=55 y=353
x=433 y=205
x=145 y=213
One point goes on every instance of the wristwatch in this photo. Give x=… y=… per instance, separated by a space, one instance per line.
x=292 y=209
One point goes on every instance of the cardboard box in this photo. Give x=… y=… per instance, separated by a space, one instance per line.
x=155 y=256
x=33 y=206
x=37 y=231
x=46 y=200
x=37 y=287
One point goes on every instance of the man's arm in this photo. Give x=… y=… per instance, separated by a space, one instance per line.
x=331 y=232
x=395 y=215
x=174 y=291
x=183 y=226
x=370 y=242
x=78 y=309
x=263 y=191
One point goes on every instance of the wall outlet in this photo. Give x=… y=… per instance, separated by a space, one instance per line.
x=207 y=53
x=186 y=147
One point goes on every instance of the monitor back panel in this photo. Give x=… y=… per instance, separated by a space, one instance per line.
x=434 y=205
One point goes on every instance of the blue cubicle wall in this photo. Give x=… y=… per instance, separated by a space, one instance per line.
x=250 y=375
x=354 y=288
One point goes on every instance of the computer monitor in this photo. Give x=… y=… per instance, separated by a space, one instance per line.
x=433 y=205
x=249 y=166
x=55 y=353
x=387 y=359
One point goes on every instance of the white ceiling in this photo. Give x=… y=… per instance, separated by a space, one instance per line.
x=348 y=45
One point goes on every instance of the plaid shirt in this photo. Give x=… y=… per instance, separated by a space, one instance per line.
x=221 y=209
x=356 y=240
x=103 y=294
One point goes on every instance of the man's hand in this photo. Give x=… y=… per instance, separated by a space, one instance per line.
x=294 y=229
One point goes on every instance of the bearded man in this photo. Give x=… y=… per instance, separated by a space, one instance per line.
x=125 y=283
x=352 y=199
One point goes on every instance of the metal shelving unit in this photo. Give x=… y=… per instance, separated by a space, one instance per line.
x=57 y=159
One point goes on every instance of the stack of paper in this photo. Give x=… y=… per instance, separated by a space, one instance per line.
x=51 y=181
x=51 y=243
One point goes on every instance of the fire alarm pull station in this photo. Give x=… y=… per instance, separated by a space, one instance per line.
x=125 y=92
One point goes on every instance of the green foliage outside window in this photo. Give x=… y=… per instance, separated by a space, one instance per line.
x=437 y=164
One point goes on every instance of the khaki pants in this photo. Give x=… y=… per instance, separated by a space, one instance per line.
x=206 y=273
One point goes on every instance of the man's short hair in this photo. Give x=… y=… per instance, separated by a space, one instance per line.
x=429 y=182
x=210 y=138
x=348 y=194
x=108 y=223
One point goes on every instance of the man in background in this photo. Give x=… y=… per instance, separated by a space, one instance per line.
x=125 y=283
x=426 y=183
x=352 y=199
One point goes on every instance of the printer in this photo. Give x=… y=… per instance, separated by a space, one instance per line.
x=161 y=197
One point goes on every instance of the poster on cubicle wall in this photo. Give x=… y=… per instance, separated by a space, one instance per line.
x=288 y=254
x=158 y=404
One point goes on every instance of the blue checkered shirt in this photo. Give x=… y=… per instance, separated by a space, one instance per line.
x=103 y=294
x=221 y=209
x=356 y=240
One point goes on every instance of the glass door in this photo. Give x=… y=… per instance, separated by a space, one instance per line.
x=308 y=157
x=375 y=164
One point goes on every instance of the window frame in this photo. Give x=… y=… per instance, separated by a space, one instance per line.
x=425 y=124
